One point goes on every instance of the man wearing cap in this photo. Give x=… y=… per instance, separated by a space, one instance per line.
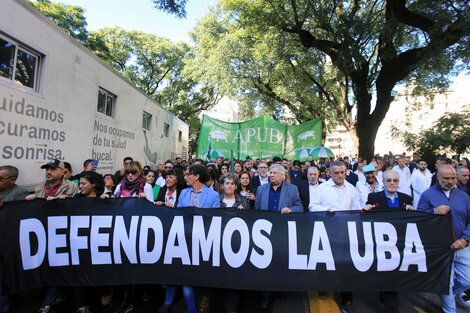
x=55 y=185
x=370 y=185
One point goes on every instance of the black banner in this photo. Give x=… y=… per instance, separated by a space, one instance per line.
x=90 y=242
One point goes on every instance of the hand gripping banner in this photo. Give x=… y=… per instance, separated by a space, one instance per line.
x=93 y=242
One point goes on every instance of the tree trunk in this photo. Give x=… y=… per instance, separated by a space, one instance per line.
x=366 y=133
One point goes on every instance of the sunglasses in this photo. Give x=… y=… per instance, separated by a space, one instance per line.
x=392 y=180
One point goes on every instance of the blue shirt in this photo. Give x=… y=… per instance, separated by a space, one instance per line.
x=464 y=188
x=459 y=203
x=274 y=196
x=392 y=203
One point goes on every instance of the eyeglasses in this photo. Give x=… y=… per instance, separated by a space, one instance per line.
x=392 y=180
x=6 y=177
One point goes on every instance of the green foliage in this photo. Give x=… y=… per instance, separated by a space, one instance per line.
x=160 y=68
x=176 y=7
x=154 y=64
x=71 y=18
x=266 y=72
x=309 y=58
x=449 y=135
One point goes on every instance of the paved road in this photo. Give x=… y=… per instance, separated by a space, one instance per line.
x=286 y=303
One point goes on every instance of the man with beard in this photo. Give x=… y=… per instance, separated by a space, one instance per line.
x=307 y=188
x=55 y=186
x=442 y=199
x=262 y=177
x=420 y=181
x=463 y=175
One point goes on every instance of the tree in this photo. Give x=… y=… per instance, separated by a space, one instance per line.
x=449 y=135
x=154 y=64
x=176 y=7
x=371 y=47
x=267 y=72
x=159 y=67
x=71 y=18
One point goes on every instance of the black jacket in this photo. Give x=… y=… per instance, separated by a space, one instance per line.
x=380 y=200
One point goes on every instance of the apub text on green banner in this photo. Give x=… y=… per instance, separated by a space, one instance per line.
x=261 y=137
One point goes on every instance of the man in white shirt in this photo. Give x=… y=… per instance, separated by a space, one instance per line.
x=405 y=176
x=420 y=181
x=307 y=188
x=336 y=194
x=372 y=184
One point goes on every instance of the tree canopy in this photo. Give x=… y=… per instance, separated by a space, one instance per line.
x=175 y=7
x=71 y=18
x=154 y=64
x=337 y=59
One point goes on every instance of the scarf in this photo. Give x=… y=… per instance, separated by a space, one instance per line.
x=129 y=189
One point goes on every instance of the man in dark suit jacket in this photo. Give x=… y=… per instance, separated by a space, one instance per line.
x=262 y=177
x=308 y=185
x=389 y=198
x=278 y=195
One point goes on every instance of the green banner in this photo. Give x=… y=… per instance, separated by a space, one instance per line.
x=261 y=137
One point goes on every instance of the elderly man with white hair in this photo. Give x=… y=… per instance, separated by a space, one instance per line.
x=278 y=195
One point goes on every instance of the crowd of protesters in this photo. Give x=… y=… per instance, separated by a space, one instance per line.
x=277 y=185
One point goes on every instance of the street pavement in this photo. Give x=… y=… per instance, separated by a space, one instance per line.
x=363 y=302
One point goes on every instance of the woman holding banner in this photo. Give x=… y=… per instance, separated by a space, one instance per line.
x=134 y=183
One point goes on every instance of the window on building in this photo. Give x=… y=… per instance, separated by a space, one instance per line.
x=180 y=136
x=166 y=129
x=19 y=63
x=146 y=119
x=106 y=102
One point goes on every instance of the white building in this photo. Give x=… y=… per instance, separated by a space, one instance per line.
x=60 y=101
x=407 y=112
x=226 y=110
x=416 y=114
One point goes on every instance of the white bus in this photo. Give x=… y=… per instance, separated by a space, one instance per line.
x=60 y=101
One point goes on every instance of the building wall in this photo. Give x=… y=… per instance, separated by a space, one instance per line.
x=226 y=110
x=70 y=77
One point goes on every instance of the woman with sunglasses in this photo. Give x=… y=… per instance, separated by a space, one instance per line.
x=134 y=183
